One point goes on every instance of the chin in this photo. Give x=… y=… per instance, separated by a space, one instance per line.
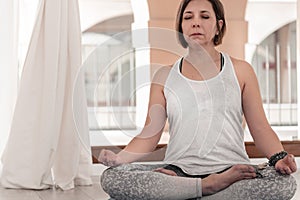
x=196 y=44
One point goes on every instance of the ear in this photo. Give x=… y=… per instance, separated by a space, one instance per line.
x=220 y=23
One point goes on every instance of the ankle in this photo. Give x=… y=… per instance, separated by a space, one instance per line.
x=209 y=185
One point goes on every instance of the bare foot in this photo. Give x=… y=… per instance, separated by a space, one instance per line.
x=165 y=171
x=216 y=182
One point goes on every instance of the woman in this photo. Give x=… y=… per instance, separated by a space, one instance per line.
x=204 y=96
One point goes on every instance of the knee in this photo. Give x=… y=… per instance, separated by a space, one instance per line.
x=114 y=181
x=106 y=179
x=286 y=187
x=283 y=187
x=273 y=186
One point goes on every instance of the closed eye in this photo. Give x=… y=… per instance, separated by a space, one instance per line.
x=187 y=17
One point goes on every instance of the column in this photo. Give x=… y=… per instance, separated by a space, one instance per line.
x=165 y=48
x=236 y=35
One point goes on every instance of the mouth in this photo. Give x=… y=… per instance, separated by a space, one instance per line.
x=196 y=34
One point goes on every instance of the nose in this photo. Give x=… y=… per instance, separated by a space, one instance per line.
x=195 y=24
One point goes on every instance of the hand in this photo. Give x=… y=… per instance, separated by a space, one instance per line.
x=216 y=182
x=287 y=165
x=109 y=158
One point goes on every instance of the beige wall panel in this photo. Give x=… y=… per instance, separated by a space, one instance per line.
x=161 y=58
x=163 y=9
x=165 y=49
x=163 y=23
x=234 y=9
x=235 y=38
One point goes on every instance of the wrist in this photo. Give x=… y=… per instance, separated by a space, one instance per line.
x=276 y=157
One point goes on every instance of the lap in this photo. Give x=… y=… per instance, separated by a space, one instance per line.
x=272 y=185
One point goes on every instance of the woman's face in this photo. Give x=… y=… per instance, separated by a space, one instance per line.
x=199 y=23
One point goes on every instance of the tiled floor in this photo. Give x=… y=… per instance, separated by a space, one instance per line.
x=94 y=192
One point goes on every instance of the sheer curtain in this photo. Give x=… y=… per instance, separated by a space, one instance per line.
x=48 y=142
x=298 y=64
x=8 y=66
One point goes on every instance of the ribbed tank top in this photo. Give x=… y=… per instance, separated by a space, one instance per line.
x=205 y=121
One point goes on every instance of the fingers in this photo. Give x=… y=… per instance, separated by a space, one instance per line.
x=287 y=165
x=291 y=163
x=285 y=170
x=246 y=171
x=249 y=172
x=103 y=157
x=108 y=158
x=242 y=172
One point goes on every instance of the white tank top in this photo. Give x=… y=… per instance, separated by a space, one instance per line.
x=205 y=117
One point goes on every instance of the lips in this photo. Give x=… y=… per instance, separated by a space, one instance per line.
x=196 y=34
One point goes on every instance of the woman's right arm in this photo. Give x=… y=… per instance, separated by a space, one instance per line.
x=146 y=142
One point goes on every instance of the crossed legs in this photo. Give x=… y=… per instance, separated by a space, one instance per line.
x=134 y=181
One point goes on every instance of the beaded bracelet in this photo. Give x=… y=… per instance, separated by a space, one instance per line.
x=277 y=156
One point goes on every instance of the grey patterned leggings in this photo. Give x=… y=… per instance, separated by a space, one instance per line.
x=139 y=182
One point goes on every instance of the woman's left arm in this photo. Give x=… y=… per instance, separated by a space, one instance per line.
x=264 y=137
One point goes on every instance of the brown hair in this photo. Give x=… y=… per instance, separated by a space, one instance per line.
x=219 y=12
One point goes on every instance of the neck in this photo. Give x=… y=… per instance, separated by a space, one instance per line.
x=206 y=54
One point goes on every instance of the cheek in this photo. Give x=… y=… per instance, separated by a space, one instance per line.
x=185 y=31
x=184 y=27
x=211 y=29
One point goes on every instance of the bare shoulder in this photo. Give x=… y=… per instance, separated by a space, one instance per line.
x=160 y=76
x=243 y=69
x=157 y=86
x=241 y=65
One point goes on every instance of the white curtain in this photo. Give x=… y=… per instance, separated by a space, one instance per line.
x=298 y=64
x=8 y=66
x=48 y=142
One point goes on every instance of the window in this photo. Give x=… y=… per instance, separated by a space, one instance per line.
x=110 y=74
x=275 y=64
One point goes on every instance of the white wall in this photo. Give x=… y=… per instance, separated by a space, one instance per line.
x=95 y=11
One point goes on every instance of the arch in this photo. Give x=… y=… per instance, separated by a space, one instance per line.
x=139 y=16
x=261 y=25
x=113 y=24
x=94 y=12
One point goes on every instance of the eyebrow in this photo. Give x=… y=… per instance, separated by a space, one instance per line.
x=190 y=12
